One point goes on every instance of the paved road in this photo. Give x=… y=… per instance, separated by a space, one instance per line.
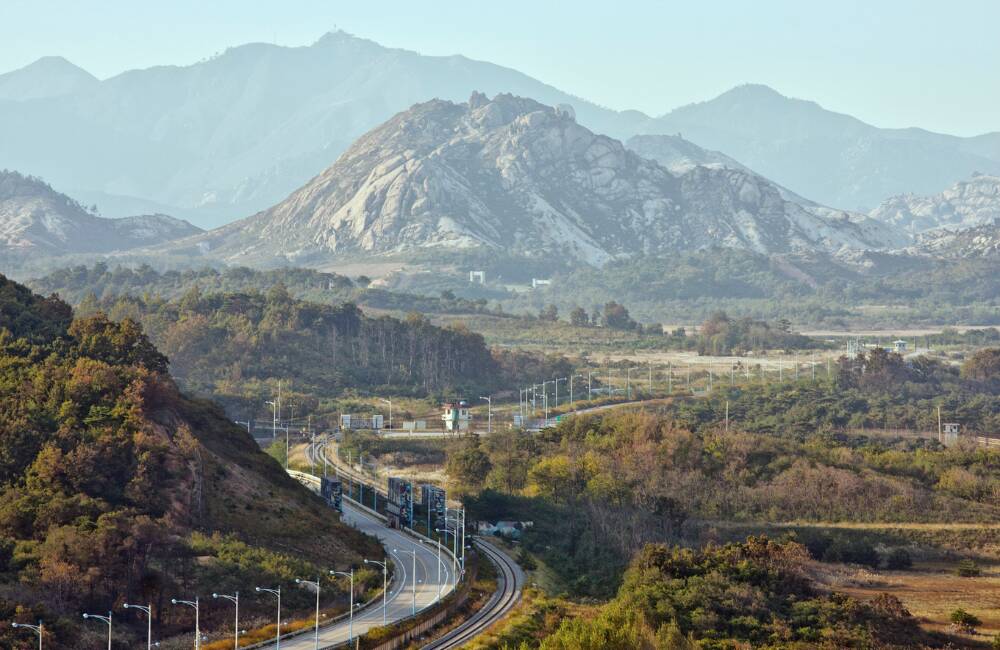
x=434 y=580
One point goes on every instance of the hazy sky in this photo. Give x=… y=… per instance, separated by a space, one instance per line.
x=889 y=62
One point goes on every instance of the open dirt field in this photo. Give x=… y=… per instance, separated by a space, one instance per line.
x=929 y=591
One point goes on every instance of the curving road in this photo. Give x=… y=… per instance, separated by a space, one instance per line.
x=433 y=580
x=510 y=584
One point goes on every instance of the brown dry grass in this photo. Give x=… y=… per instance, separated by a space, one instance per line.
x=930 y=591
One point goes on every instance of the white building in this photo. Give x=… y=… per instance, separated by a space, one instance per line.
x=456 y=416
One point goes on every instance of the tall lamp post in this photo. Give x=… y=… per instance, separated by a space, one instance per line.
x=106 y=619
x=196 y=606
x=385 y=582
x=413 y=582
x=447 y=531
x=313 y=584
x=148 y=611
x=275 y=592
x=274 y=418
x=350 y=624
x=439 y=563
x=36 y=628
x=235 y=599
x=489 y=413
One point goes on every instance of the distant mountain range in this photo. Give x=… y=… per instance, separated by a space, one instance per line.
x=829 y=157
x=518 y=177
x=50 y=76
x=226 y=137
x=966 y=204
x=36 y=220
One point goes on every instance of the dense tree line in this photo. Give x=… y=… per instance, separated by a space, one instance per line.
x=722 y=335
x=236 y=346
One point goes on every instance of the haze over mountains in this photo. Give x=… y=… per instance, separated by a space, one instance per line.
x=36 y=220
x=226 y=137
x=828 y=157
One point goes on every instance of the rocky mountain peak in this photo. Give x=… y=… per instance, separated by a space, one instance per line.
x=966 y=204
x=512 y=174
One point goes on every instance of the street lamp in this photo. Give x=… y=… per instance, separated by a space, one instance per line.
x=235 y=599
x=389 y=402
x=350 y=628
x=385 y=582
x=148 y=610
x=277 y=634
x=413 y=607
x=36 y=628
x=274 y=418
x=313 y=584
x=489 y=413
x=194 y=604
x=454 y=567
x=106 y=619
x=439 y=564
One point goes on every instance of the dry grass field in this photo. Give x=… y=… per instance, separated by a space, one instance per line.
x=930 y=591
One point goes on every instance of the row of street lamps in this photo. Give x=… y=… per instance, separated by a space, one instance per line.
x=235 y=599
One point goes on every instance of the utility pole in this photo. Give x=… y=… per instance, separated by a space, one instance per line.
x=286 y=434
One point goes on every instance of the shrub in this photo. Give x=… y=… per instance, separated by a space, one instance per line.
x=855 y=551
x=968 y=569
x=525 y=560
x=964 y=618
x=898 y=559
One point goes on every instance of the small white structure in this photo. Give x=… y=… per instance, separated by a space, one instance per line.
x=456 y=416
x=899 y=347
x=353 y=422
x=950 y=428
x=539 y=282
x=477 y=277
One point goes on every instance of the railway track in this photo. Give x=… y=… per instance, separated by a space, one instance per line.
x=508 y=593
x=510 y=583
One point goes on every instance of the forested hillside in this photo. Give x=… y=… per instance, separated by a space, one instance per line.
x=115 y=487
x=236 y=346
